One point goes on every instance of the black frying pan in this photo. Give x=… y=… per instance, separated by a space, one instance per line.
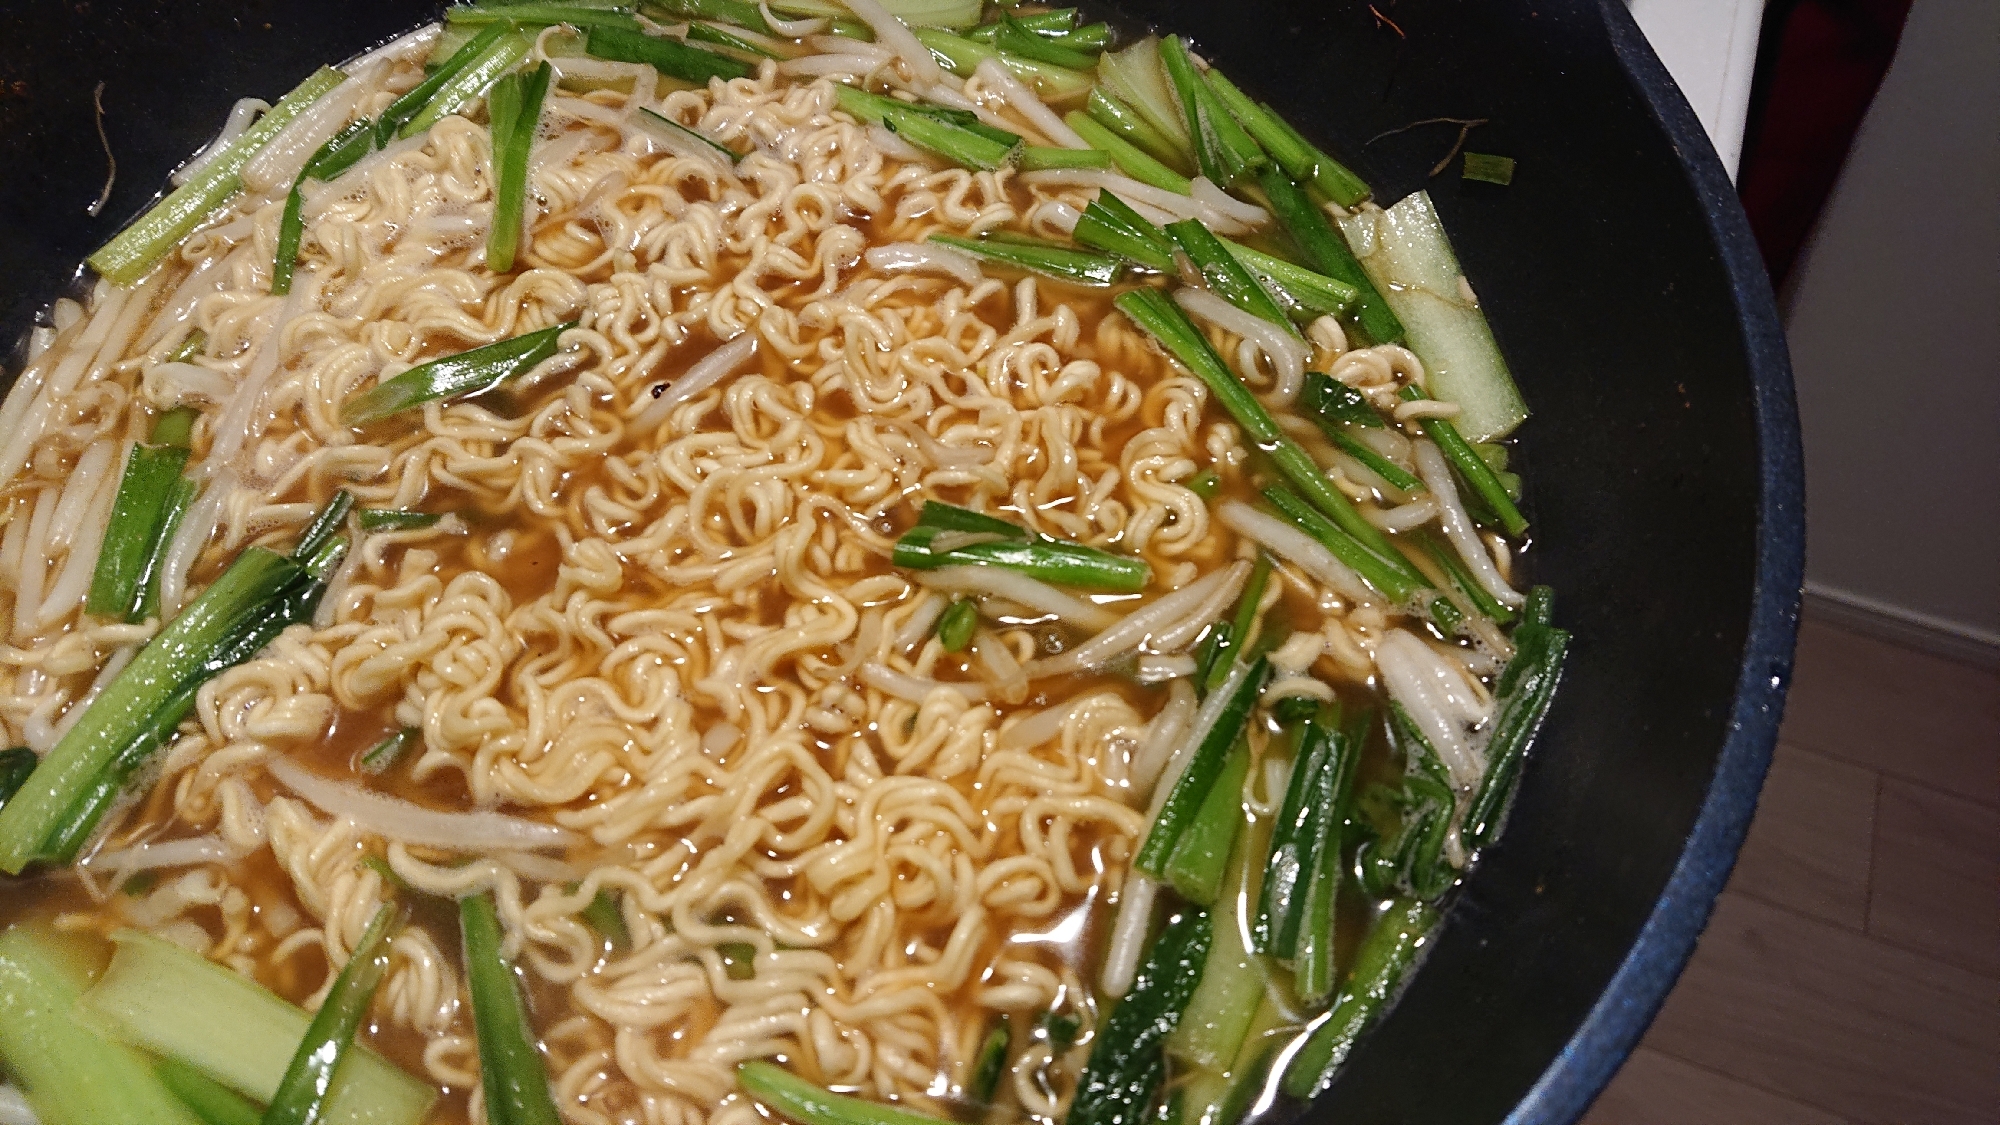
x=1662 y=463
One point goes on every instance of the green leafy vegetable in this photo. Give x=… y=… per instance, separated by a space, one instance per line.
x=1129 y=159
x=1127 y=1061
x=982 y=540
x=456 y=376
x=390 y=750
x=1328 y=253
x=394 y=519
x=668 y=56
x=1487 y=168
x=801 y=1101
x=1223 y=151
x=1385 y=956
x=1191 y=789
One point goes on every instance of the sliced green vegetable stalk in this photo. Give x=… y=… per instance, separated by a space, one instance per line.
x=1461 y=579
x=956 y=135
x=405 y=109
x=871 y=109
x=1318 y=894
x=334 y=157
x=1053 y=23
x=1234 y=637
x=325 y=524
x=669 y=129
x=1294 y=834
x=1157 y=314
x=210 y=1100
x=1184 y=802
x=1327 y=252
x=1394 y=475
x=1410 y=260
x=1384 y=958
x=468 y=80
x=1108 y=223
x=1300 y=160
x=1105 y=109
x=602 y=913
x=1219 y=1014
x=302 y=1095
x=587 y=16
x=916 y=13
x=1327 y=397
x=670 y=57
x=1371 y=564
x=1135 y=76
x=1223 y=151
x=949 y=536
x=1128 y=157
x=176 y=1004
x=1309 y=294
x=70 y=1073
x=955 y=627
x=456 y=376
x=736 y=44
x=1036 y=158
x=395 y=519
x=514 y=113
x=1014 y=39
x=191 y=347
x=1471 y=468
x=1488 y=168
x=1526 y=689
x=132 y=538
x=800 y=1101
x=136 y=249
x=390 y=750
x=1206 y=484
x=515 y=1082
x=742 y=13
x=962 y=56
x=1200 y=858
x=1411 y=860
x=1050 y=259
x=255 y=599
x=991 y=1064
x=1226 y=276
x=1127 y=1061
x=16 y=763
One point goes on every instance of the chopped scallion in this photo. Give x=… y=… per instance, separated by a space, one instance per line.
x=302 y=1094
x=1064 y=263
x=1129 y=158
x=1487 y=168
x=379 y=757
x=514 y=111
x=513 y=1077
x=456 y=376
x=670 y=57
x=955 y=627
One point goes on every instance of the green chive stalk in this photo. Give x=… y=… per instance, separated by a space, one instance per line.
x=1039 y=557
x=798 y=1100
x=1063 y=263
x=1226 y=276
x=1108 y=223
x=471 y=79
x=670 y=57
x=957 y=624
x=1312 y=294
x=1327 y=252
x=514 y=112
x=467 y=373
x=1204 y=767
x=1128 y=157
x=512 y=1075
x=1385 y=957
x=1104 y=108
x=302 y=1094
x=1471 y=468
x=1224 y=152
x=1292 y=152
x=1127 y=1059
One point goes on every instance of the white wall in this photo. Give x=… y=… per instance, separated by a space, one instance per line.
x=1894 y=323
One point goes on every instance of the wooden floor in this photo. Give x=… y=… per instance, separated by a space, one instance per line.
x=1851 y=973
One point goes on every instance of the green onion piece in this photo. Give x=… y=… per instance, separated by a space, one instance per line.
x=1157 y=314
x=797 y=1100
x=1034 y=158
x=956 y=625
x=1371 y=564
x=873 y=109
x=1462 y=580
x=1471 y=468
x=958 y=145
x=709 y=33
x=1049 y=560
x=334 y=157
x=649 y=120
x=324 y=524
x=1307 y=933
x=739 y=960
x=302 y=1094
x=1184 y=801
x=1301 y=161
x=1089 y=37
x=1329 y=254
x=1135 y=76
x=1110 y=224
x=515 y=1082
x=1201 y=856
x=1064 y=263
x=1235 y=638
x=135 y=714
x=176 y=427
x=1224 y=274
x=467 y=373
x=137 y=248
x=16 y=763
x=1128 y=157
x=1105 y=109
x=543 y=15
x=380 y=867
x=1529 y=684
x=1313 y=294
x=170 y=522
x=991 y=1063
x=603 y=914
x=1223 y=150
x=1205 y=484
x=668 y=56
x=951 y=517
x=191 y=346
x=739 y=12
x=962 y=56
x=1127 y=1061
x=1061 y=1030
x=394 y=519
x=379 y=757
x=405 y=109
x=1327 y=398
x=1386 y=954
x=1016 y=40
x=1395 y=475
x=1420 y=758
x=514 y=110
x=1274 y=927
x=1053 y=23
x=1487 y=168
x=72 y=1074
x=145 y=492
x=210 y=1100
x=498 y=56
